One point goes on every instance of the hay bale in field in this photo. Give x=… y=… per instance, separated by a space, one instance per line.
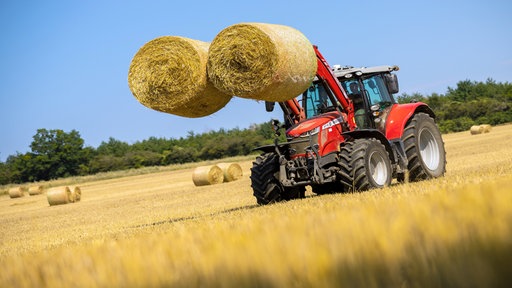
x=17 y=192
x=35 y=190
x=207 y=175
x=232 y=171
x=261 y=61
x=486 y=128
x=76 y=194
x=59 y=195
x=168 y=74
x=476 y=129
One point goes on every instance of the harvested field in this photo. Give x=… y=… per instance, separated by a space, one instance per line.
x=160 y=230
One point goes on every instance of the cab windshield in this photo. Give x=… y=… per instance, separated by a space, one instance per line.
x=374 y=89
x=315 y=101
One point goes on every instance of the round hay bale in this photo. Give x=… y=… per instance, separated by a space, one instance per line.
x=476 y=129
x=168 y=74
x=232 y=171
x=76 y=193
x=261 y=61
x=207 y=175
x=17 y=192
x=35 y=190
x=486 y=128
x=59 y=195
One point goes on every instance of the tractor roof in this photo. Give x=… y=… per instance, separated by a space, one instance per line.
x=349 y=71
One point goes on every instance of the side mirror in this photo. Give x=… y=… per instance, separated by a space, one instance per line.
x=275 y=125
x=391 y=83
x=269 y=106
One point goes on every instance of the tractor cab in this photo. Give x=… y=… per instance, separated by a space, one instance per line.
x=371 y=92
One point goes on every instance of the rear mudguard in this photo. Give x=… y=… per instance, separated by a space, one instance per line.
x=400 y=115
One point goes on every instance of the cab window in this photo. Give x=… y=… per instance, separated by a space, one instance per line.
x=376 y=91
x=315 y=100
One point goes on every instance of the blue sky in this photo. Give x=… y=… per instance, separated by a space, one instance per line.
x=65 y=63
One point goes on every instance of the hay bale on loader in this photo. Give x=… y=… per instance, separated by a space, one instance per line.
x=476 y=129
x=35 y=190
x=17 y=192
x=168 y=74
x=207 y=175
x=261 y=61
x=232 y=171
x=59 y=195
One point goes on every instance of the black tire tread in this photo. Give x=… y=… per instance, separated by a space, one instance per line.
x=359 y=178
x=416 y=170
x=264 y=182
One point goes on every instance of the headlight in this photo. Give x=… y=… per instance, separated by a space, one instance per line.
x=310 y=132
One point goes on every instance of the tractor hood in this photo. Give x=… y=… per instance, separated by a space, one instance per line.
x=313 y=125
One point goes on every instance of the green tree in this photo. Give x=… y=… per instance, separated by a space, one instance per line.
x=406 y=98
x=104 y=163
x=137 y=159
x=178 y=155
x=5 y=174
x=113 y=147
x=55 y=154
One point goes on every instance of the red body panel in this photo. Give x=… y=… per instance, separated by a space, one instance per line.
x=312 y=123
x=398 y=117
x=328 y=136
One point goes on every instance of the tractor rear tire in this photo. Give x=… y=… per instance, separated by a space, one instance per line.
x=265 y=184
x=424 y=148
x=370 y=164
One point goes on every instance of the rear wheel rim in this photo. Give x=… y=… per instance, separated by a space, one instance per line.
x=378 y=169
x=429 y=149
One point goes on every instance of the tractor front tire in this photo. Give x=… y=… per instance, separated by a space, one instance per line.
x=370 y=164
x=265 y=181
x=424 y=148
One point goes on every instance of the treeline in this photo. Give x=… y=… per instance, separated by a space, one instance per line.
x=55 y=153
x=470 y=103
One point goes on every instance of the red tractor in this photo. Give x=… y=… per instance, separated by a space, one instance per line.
x=347 y=133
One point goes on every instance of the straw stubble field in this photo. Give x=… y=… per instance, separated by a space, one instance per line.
x=159 y=229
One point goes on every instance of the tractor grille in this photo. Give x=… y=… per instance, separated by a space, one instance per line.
x=298 y=145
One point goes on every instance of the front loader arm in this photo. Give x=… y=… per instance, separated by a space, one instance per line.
x=296 y=110
x=325 y=74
